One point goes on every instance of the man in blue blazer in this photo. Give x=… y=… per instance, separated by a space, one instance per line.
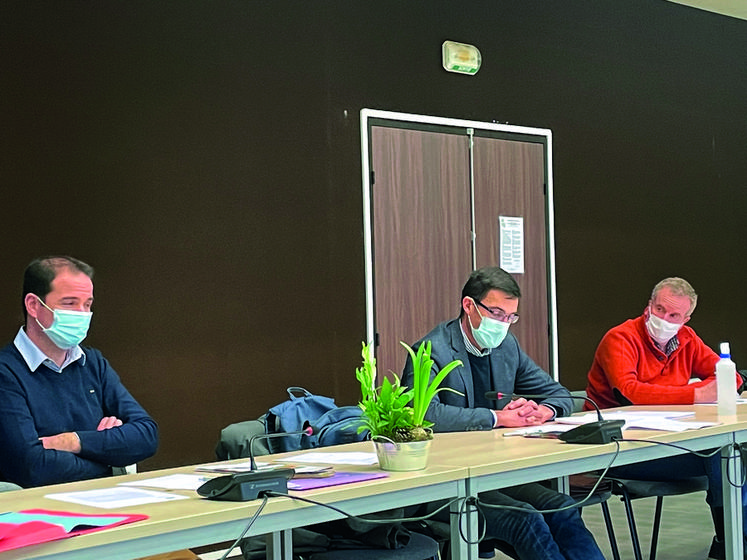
x=493 y=361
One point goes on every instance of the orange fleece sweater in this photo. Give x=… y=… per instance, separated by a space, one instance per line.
x=629 y=369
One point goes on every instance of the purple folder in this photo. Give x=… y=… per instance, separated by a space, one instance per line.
x=334 y=480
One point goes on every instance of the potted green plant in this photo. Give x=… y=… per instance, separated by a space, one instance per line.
x=395 y=414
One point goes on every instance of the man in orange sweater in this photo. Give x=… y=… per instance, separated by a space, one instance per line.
x=650 y=360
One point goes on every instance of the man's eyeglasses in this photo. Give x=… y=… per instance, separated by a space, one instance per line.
x=498 y=314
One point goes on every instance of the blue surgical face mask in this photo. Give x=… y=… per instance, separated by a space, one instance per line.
x=490 y=333
x=68 y=328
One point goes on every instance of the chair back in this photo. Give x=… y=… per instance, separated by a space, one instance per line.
x=578 y=404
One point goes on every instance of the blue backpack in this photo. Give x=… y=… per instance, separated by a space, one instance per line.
x=332 y=424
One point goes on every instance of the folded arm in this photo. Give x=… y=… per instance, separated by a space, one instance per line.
x=95 y=425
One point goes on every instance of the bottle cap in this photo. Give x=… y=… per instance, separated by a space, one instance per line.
x=725 y=350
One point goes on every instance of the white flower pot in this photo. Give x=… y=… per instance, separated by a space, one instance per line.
x=409 y=456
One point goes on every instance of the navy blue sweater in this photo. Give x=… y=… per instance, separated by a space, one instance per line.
x=46 y=403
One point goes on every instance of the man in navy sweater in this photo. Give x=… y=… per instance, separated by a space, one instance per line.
x=64 y=413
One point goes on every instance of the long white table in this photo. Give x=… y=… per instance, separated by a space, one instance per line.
x=197 y=522
x=460 y=465
x=495 y=461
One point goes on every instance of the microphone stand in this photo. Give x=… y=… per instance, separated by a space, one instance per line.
x=308 y=431
x=241 y=487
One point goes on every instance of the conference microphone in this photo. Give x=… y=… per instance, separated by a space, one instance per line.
x=307 y=431
x=241 y=487
x=599 y=431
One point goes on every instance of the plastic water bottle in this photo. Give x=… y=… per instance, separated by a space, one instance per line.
x=726 y=382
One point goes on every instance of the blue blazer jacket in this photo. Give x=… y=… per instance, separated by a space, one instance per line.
x=512 y=372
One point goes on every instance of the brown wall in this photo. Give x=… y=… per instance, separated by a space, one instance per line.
x=205 y=158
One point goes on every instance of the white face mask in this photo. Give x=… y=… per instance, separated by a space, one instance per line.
x=660 y=330
x=69 y=328
x=490 y=333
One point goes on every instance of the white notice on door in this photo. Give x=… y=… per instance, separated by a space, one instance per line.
x=511 y=251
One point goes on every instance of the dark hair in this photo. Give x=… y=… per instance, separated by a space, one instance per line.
x=39 y=274
x=482 y=280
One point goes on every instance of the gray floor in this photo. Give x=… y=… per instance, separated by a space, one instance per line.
x=686 y=527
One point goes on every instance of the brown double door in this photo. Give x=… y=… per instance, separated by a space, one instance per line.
x=436 y=198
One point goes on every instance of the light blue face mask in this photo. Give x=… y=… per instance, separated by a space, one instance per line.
x=490 y=333
x=68 y=328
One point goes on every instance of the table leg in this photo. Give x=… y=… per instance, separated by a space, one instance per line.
x=464 y=527
x=562 y=484
x=731 y=472
x=280 y=545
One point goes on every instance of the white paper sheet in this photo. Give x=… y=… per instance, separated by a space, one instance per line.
x=543 y=429
x=245 y=466
x=230 y=467
x=171 y=482
x=119 y=496
x=331 y=458
x=643 y=419
x=511 y=236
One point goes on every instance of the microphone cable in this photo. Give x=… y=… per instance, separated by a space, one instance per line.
x=463 y=504
x=478 y=504
x=270 y=494
x=578 y=504
x=462 y=507
x=366 y=519
x=265 y=499
x=735 y=447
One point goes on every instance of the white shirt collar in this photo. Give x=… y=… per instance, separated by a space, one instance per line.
x=34 y=357
x=471 y=348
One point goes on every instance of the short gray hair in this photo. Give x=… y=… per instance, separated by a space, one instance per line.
x=679 y=287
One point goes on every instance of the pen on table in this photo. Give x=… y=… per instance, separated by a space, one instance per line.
x=542 y=435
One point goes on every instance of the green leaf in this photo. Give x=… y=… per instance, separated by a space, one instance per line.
x=424 y=389
x=392 y=407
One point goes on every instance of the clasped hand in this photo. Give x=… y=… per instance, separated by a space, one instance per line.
x=69 y=441
x=523 y=412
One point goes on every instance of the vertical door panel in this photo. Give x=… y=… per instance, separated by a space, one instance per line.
x=510 y=181
x=421 y=235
